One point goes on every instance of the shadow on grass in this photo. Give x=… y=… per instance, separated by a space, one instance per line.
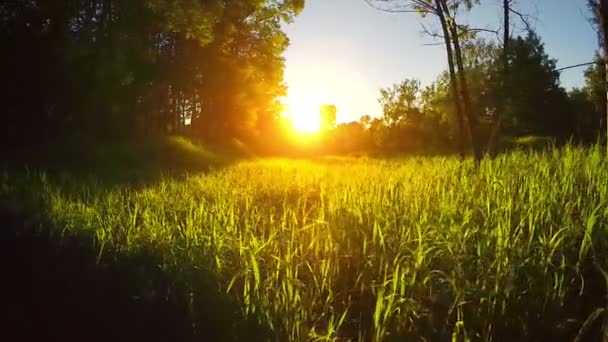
x=54 y=290
x=121 y=163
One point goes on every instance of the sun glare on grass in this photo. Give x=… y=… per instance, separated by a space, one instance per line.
x=303 y=112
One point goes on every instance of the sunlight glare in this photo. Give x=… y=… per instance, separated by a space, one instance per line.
x=303 y=112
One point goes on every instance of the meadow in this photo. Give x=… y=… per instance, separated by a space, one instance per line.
x=331 y=249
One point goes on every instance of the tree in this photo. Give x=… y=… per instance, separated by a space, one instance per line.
x=328 y=114
x=537 y=101
x=365 y=121
x=586 y=119
x=438 y=109
x=378 y=133
x=599 y=9
x=507 y=9
x=537 y=104
x=400 y=103
x=600 y=13
x=452 y=33
x=122 y=68
x=595 y=87
x=350 y=137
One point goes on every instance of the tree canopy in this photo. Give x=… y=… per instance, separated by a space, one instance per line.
x=114 y=68
x=213 y=70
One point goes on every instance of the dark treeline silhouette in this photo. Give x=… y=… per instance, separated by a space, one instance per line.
x=124 y=69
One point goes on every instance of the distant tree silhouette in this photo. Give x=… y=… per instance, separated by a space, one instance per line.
x=350 y=138
x=365 y=121
x=328 y=114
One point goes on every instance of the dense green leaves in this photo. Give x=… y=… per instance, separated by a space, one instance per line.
x=122 y=68
x=538 y=104
x=400 y=102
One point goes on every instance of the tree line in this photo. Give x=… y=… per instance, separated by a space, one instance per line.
x=417 y=118
x=213 y=70
x=493 y=88
x=134 y=68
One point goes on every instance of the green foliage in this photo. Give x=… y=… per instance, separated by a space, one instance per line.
x=193 y=18
x=598 y=18
x=360 y=249
x=418 y=118
x=351 y=137
x=401 y=102
x=587 y=118
x=122 y=68
x=595 y=87
x=413 y=116
x=537 y=102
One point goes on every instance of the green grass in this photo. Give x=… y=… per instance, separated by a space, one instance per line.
x=341 y=249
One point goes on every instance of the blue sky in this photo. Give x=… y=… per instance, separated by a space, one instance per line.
x=343 y=51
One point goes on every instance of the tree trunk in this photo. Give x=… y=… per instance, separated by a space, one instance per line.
x=464 y=90
x=493 y=140
x=603 y=22
x=453 y=80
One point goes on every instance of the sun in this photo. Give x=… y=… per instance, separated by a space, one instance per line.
x=305 y=121
x=303 y=112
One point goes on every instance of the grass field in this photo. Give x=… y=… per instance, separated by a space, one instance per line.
x=340 y=249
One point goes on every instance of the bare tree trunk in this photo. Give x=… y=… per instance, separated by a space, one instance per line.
x=492 y=142
x=453 y=80
x=464 y=89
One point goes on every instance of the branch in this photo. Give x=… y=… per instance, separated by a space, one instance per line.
x=425 y=8
x=523 y=18
x=433 y=44
x=429 y=32
x=465 y=29
x=389 y=10
x=479 y=30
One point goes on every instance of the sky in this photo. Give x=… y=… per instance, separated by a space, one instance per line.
x=343 y=51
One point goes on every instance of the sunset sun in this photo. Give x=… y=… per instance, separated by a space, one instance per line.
x=305 y=121
x=303 y=112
